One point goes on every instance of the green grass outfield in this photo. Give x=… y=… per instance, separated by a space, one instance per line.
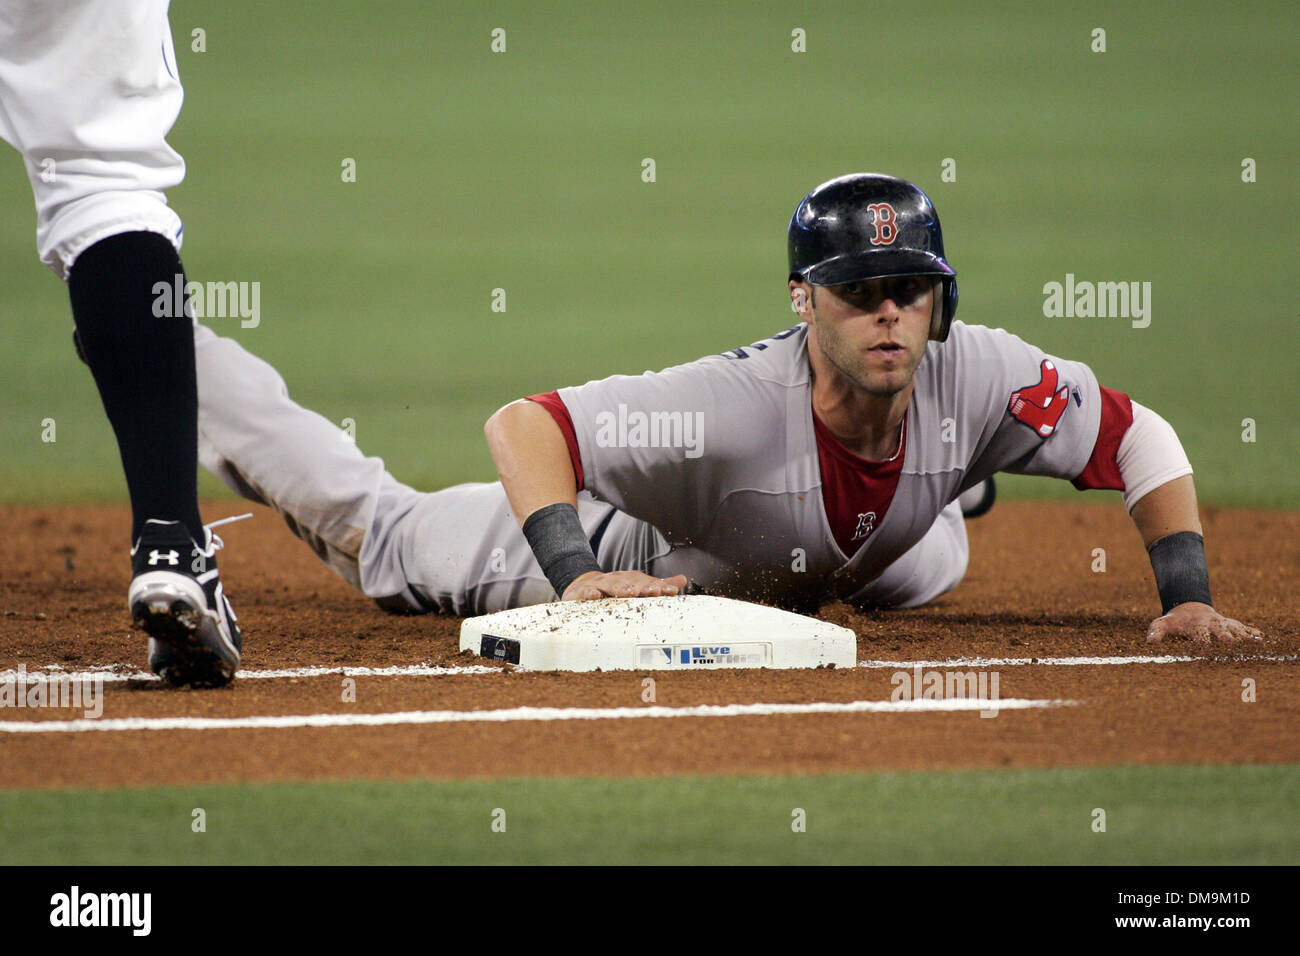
x=1154 y=815
x=521 y=171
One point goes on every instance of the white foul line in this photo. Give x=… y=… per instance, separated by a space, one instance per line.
x=114 y=674
x=1073 y=661
x=520 y=714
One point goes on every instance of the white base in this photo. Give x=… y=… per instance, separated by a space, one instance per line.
x=659 y=633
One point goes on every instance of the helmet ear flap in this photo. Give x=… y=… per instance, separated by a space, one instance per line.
x=945 y=307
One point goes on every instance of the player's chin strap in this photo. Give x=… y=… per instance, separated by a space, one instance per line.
x=1181 y=574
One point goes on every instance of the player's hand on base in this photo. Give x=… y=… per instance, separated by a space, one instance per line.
x=595 y=585
x=1200 y=624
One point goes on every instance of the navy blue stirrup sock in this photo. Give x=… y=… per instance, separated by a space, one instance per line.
x=143 y=365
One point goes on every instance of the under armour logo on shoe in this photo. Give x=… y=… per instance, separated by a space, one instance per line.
x=157 y=557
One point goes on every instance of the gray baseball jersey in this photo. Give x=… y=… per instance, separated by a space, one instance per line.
x=721 y=457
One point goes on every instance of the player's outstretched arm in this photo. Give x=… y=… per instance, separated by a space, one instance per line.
x=531 y=457
x=1171 y=531
x=532 y=460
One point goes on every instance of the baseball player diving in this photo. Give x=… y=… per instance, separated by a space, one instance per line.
x=823 y=462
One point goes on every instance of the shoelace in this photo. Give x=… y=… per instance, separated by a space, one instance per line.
x=215 y=544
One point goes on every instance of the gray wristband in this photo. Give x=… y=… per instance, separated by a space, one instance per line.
x=1181 y=575
x=555 y=534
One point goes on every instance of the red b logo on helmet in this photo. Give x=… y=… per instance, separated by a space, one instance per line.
x=886 y=223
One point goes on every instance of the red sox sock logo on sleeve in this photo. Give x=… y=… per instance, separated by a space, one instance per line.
x=1041 y=406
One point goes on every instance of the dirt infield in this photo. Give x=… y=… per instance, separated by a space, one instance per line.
x=1031 y=595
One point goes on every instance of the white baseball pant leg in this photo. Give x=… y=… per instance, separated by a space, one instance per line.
x=458 y=550
x=89 y=90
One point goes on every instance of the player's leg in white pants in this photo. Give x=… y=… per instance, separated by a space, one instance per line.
x=931 y=567
x=271 y=450
x=88 y=91
x=462 y=552
x=458 y=550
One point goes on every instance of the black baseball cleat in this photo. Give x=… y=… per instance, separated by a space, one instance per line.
x=176 y=598
x=979 y=499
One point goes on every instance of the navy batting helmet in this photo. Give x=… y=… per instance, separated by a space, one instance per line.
x=868 y=225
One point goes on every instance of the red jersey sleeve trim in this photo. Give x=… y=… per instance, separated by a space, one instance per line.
x=1102 y=470
x=552 y=402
